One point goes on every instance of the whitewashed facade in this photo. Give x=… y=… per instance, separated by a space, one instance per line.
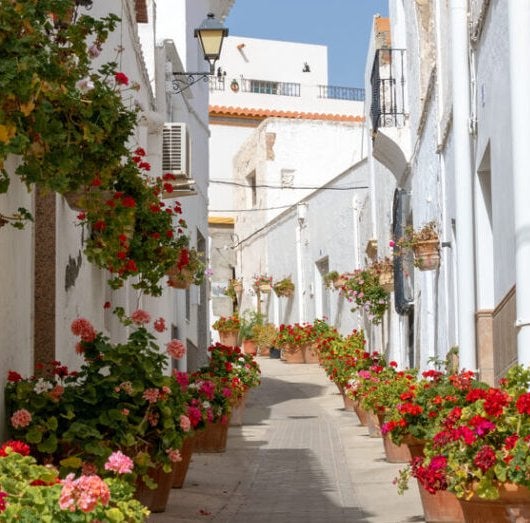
x=274 y=123
x=46 y=281
x=458 y=154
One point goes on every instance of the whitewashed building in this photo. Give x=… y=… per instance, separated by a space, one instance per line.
x=46 y=281
x=279 y=132
x=455 y=141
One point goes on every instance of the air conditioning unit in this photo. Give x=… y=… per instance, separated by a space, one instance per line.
x=176 y=150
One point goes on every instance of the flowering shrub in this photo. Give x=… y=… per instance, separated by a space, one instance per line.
x=121 y=399
x=480 y=444
x=342 y=356
x=364 y=290
x=380 y=387
x=426 y=400
x=296 y=334
x=32 y=492
x=68 y=123
x=227 y=323
x=210 y=396
x=232 y=363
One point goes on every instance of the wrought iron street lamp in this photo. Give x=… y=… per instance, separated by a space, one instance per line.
x=211 y=34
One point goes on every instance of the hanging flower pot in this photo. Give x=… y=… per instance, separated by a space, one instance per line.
x=284 y=288
x=78 y=200
x=265 y=288
x=386 y=279
x=426 y=255
x=179 y=278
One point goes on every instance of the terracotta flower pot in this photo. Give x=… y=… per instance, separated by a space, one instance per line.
x=310 y=354
x=264 y=351
x=513 y=505
x=362 y=413
x=293 y=354
x=228 y=338
x=442 y=507
x=394 y=453
x=212 y=438
x=179 y=278
x=238 y=409
x=181 y=468
x=427 y=255
x=155 y=499
x=250 y=347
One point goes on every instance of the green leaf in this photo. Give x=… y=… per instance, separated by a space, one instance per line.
x=49 y=445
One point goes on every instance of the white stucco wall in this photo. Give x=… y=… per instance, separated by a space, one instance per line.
x=16 y=282
x=284 y=248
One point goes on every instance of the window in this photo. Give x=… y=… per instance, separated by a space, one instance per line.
x=251 y=181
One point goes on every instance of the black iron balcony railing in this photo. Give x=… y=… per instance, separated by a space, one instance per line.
x=246 y=85
x=388 y=88
x=341 y=93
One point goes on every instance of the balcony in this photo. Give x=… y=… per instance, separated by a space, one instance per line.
x=334 y=92
x=391 y=144
x=247 y=85
x=388 y=89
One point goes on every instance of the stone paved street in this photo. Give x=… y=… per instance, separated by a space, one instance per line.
x=299 y=457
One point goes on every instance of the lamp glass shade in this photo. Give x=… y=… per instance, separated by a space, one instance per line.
x=211 y=34
x=211 y=42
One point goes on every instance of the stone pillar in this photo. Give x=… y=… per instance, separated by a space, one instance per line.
x=45 y=281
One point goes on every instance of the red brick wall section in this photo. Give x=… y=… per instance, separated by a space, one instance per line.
x=141 y=11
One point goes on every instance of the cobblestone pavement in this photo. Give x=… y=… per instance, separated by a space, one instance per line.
x=299 y=457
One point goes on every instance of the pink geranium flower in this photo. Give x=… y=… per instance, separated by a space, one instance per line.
x=83 y=328
x=83 y=493
x=185 y=423
x=21 y=418
x=176 y=349
x=120 y=463
x=140 y=317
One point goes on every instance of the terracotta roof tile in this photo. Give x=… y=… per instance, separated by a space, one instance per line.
x=247 y=112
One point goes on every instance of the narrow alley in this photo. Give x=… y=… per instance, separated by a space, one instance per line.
x=299 y=457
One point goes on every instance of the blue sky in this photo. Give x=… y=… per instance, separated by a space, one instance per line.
x=342 y=25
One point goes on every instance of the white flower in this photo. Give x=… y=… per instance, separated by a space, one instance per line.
x=206 y=404
x=84 y=85
x=42 y=386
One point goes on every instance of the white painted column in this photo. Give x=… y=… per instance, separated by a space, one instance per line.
x=519 y=18
x=463 y=185
x=299 y=274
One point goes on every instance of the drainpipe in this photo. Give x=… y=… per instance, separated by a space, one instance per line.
x=464 y=188
x=518 y=19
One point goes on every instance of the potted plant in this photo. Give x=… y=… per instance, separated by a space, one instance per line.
x=384 y=269
x=249 y=320
x=228 y=328
x=77 y=128
x=264 y=336
x=262 y=283
x=133 y=233
x=284 y=287
x=425 y=245
x=33 y=492
x=480 y=450
x=332 y=280
x=122 y=398
x=234 y=289
x=188 y=269
x=364 y=290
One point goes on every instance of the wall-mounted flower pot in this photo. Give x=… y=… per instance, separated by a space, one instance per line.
x=228 y=338
x=386 y=279
x=427 y=255
x=265 y=288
